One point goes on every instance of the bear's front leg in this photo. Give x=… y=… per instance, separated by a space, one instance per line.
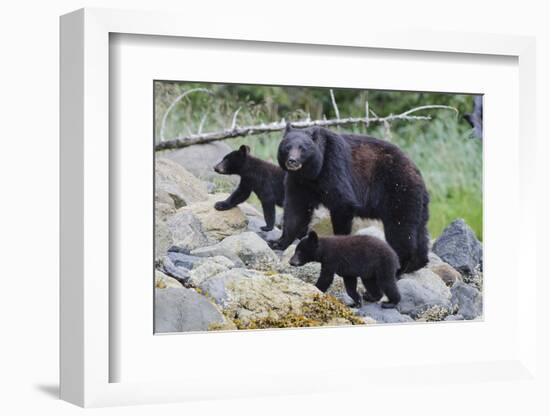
x=325 y=279
x=239 y=195
x=296 y=219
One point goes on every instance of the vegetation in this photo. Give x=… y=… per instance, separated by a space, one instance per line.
x=444 y=148
x=319 y=311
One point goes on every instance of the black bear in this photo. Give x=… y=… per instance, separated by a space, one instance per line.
x=369 y=258
x=263 y=178
x=354 y=175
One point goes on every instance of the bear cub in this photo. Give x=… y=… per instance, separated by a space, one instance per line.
x=263 y=178
x=369 y=258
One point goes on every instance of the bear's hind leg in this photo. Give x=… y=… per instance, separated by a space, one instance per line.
x=420 y=257
x=351 y=288
x=373 y=293
x=386 y=280
x=402 y=238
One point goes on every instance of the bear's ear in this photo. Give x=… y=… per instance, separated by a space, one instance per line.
x=244 y=149
x=288 y=127
x=312 y=236
x=315 y=133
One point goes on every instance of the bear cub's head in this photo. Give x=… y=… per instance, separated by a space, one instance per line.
x=301 y=151
x=233 y=162
x=306 y=250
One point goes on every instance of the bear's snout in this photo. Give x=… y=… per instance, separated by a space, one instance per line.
x=292 y=164
x=220 y=168
x=295 y=261
x=293 y=159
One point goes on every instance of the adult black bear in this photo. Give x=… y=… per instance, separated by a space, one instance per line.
x=263 y=178
x=354 y=175
x=369 y=258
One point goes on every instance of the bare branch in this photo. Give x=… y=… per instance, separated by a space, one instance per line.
x=173 y=104
x=201 y=124
x=429 y=107
x=334 y=104
x=235 y=131
x=234 y=121
x=387 y=130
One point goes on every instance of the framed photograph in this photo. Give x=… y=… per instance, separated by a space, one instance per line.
x=258 y=206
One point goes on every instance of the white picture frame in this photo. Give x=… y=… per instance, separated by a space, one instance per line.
x=87 y=331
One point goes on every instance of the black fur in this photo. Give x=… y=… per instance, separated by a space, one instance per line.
x=354 y=175
x=369 y=258
x=263 y=178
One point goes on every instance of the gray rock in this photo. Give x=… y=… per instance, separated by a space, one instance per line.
x=454 y=318
x=422 y=290
x=180 y=273
x=372 y=231
x=255 y=224
x=221 y=260
x=182 y=309
x=468 y=299
x=200 y=160
x=249 y=294
x=459 y=247
x=447 y=273
x=176 y=187
x=163 y=281
x=247 y=248
x=178 y=264
x=381 y=315
x=434 y=260
x=205 y=270
x=180 y=259
x=218 y=224
x=185 y=231
x=163 y=238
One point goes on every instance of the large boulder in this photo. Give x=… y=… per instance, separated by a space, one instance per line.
x=200 y=160
x=321 y=223
x=163 y=281
x=373 y=231
x=204 y=271
x=467 y=299
x=175 y=187
x=382 y=315
x=246 y=248
x=217 y=224
x=182 y=310
x=178 y=264
x=259 y=300
x=420 y=291
x=163 y=238
x=185 y=231
x=445 y=271
x=459 y=247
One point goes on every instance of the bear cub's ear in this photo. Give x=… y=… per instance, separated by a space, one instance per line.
x=244 y=149
x=312 y=236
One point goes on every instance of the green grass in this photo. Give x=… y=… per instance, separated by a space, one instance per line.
x=443 y=148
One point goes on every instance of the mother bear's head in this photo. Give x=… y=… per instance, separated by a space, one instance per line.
x=301 y=151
